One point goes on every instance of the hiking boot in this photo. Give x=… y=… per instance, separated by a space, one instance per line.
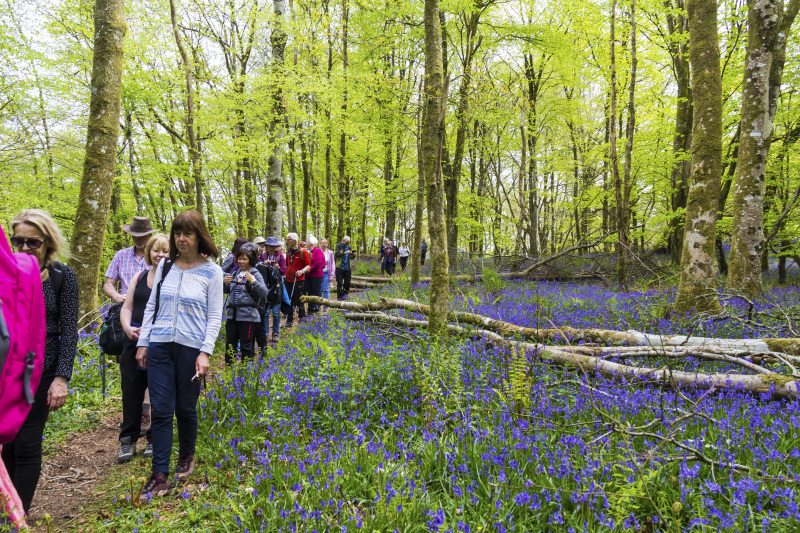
x=275 y=338
x=127 y=449
x=157 y=485
x=145 y=424
x=185 y=466
x=148 y=451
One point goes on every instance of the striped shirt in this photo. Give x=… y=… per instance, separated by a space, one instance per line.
x=124 y=266
x=190 y=311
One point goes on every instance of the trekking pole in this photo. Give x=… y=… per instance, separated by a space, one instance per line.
x=103 y=372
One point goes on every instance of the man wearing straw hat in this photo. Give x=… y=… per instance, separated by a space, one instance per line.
x=128 y=261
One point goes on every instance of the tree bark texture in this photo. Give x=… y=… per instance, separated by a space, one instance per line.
x=431 y=144
x=765 y=24
x=275 y=181
x=682 y=141
x=622 y=271
x=697 y=290
x=99 y=162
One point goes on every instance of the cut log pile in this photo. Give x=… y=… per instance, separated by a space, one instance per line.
x=606 y=348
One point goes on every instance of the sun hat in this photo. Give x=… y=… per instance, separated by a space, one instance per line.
x=271 y=241
x=259 y=240
x=139 y=227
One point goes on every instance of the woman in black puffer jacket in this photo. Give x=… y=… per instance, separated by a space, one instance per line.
x=247 y=291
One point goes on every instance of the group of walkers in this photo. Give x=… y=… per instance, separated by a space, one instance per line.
x=173 y=298
x=389 y=255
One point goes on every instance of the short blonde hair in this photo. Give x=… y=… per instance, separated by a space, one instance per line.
x=156 y=237
x=53 y=238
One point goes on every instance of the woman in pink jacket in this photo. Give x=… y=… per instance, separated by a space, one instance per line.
x=315 y=274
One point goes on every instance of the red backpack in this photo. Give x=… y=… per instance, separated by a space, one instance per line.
x=22 y=336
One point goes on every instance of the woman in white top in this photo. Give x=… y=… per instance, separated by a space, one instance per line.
x=404 y=251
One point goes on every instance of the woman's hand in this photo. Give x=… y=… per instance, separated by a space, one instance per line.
x=57 y=393
x=249 y=277
x=201 y=364
x=227 y=279
x=141 y=356
x=132 y=333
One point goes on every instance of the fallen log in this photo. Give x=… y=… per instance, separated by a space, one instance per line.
x=764 y=381
x=789 y=346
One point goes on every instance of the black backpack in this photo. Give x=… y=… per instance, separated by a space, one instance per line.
x=273 y=281
x=112 y=337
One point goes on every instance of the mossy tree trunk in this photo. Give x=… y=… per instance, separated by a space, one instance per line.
x=768 y=26
x=697 y=289
x=678 y=25
x=419 y=209
x=100 y=159
x=431 y=144
x=275 y=181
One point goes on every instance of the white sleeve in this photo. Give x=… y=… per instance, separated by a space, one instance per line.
x=214 y=306
x=147 y=321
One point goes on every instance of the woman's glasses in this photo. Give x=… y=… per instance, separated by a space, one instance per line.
x=33 y=244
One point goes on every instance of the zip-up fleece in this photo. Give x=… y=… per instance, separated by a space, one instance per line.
x=190 y=312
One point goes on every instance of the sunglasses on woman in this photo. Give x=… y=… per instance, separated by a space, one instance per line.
x=33 y=244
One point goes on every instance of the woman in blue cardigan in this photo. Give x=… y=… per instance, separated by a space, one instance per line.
x=181 y=324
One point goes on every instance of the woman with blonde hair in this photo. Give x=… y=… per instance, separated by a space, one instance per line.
x=132 y=378
x=35 y=232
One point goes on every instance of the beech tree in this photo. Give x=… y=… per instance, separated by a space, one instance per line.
x=99 y=164
x=696 y=290
x=768 y=26
x=431 y=154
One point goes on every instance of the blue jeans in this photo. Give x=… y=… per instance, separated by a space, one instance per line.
x=275 y=311
x=170 y=368
x=326 y=286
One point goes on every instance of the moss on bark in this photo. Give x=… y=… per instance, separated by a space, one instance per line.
x=99 y=162
x=697 y=290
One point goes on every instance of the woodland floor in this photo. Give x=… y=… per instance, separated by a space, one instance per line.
x=83 y=470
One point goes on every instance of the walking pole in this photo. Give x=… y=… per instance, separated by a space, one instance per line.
x=103 y=372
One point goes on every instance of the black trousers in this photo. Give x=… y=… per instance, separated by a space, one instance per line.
x=423 y=257
x=133 y=381
x=242 y=334
x=261 y=334
x=403 y=263
x=390 y=268
x=342 y=283
x=295 y=289
x=23 y=455
x=313 y=288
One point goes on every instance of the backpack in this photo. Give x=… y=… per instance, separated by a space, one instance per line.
x=22 y=336
x=112 y=338
x=273 y=280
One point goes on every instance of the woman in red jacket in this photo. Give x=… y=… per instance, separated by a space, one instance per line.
x=298 y=264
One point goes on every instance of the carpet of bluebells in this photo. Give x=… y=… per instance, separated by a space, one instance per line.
x=349 y=427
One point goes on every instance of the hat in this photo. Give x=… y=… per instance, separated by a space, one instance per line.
x=271 y=241
x=259 y=240
x=139 y=228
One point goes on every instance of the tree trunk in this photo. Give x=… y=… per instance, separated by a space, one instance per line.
x=622 y=271
x=275 y=181
x=342 y=226
x=419 y=206
x=452 y=182
x=696 y=291
x=682 y=141
x=194 y=153
x=766 y=20
x=624 y=214
x=432 y=137
x=100 y=159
